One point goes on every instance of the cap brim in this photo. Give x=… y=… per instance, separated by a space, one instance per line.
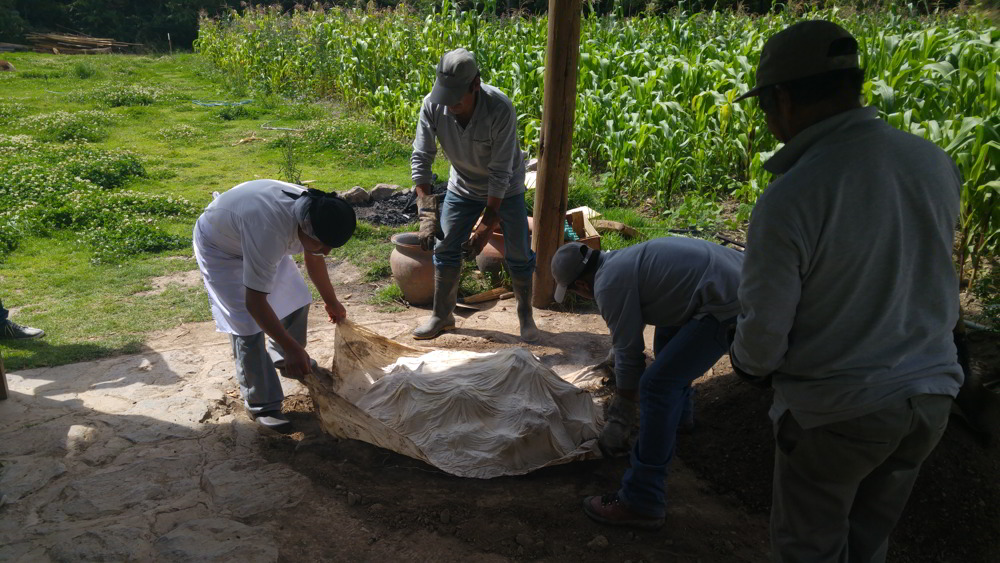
x=751 y=94
x=560 y=293
x=445 y=95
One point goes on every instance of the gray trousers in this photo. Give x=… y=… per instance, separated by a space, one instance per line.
x=255 y=356
x=840 y=488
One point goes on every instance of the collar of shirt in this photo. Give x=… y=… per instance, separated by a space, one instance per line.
x=789 y=154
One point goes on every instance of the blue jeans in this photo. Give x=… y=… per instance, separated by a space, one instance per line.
x=664 y=391
x=458 y=216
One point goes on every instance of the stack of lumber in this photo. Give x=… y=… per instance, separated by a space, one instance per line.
x=73 y=44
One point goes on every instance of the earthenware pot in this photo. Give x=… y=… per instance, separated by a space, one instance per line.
x=412 y=269
x=491 y=259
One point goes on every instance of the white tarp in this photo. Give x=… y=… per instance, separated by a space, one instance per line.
x=470 y=414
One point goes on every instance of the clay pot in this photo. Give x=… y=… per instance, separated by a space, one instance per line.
x=491 y=259
x=412 y=269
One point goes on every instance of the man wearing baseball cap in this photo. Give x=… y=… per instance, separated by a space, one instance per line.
x=243 y=243
x=476 y=126
x=686 y=288
x=848 y=297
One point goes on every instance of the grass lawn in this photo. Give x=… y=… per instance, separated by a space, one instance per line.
x=152 y=128
x=188 y=151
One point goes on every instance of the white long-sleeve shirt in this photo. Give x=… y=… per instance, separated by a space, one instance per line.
x=848 y=292
x=485 y=155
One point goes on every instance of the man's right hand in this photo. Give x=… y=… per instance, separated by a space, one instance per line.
x=427 y=211
x=297 y=362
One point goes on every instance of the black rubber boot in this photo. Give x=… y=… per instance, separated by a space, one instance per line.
x=445 y=294
x=522 y=291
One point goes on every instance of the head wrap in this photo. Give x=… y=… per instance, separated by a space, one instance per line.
x=324 y=216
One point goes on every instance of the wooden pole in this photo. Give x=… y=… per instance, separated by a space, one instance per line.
x=556 y=141
x=3 y=380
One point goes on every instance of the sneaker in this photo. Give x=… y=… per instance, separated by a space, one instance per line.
x=11 y=330
x=273 y=420
x=609 y=509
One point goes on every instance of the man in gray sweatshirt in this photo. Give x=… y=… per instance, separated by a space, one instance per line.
x=849 y=297
x=477 y=127
x=687 y=289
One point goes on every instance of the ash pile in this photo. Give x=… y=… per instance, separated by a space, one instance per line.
x=387 y=204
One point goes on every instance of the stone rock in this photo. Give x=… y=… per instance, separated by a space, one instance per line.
x=531 y=165
x=216 y=539
x=145 y=365
x=383 y=191
x=598 y=543
x=524 y=540
x=356 y=195
x=116 y=543
x=245 y=489
x=19 y=477
x=79 y=438
x=445 y=516
x=353 y=499
x=141 y=484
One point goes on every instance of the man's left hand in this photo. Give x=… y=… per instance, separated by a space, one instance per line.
x=336 y=311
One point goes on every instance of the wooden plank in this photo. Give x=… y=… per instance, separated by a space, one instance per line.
x=488 y=295
x=604 y=226
x=556 y=141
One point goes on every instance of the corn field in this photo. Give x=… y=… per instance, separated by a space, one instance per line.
x=654 y=115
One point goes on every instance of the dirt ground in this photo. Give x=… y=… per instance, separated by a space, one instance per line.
x=369 y=504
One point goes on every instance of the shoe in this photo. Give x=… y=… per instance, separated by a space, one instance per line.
x=623 y=414
x=446 y=280
x=522 y=291
x=609 y=509
x=273 y=420
x=13 y=331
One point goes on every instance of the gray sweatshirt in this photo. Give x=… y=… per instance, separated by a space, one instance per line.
x=849 y=295
x=485 y=155
x=663 y=282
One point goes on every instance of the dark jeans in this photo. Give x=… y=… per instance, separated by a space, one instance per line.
x=840 y=488
x=664 y=390
x=3 y=313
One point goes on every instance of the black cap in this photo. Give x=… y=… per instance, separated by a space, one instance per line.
x=332 y=218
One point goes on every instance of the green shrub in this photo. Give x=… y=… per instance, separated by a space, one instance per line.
x=368 y=144
x=235 y=112
x=84 y=70
x=127 y=95
x=46 y=188
x=87 y=125
x=11 y=110
x=987 y=290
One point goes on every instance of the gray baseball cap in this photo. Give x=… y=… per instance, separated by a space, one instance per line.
x=567 y=264
x=455 y=72
x=804 y=49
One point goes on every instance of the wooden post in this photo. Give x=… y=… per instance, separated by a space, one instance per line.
x=3 y=380
x=558 y=108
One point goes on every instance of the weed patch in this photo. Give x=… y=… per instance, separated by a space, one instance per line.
x=59 y=126
x=363 y=142
x=77 y=188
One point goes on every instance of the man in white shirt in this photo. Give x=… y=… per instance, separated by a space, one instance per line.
x=244 y=242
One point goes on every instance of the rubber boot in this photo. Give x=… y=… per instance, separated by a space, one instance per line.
x=522 y=291
x=445 y=294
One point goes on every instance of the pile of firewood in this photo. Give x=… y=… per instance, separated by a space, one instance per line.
x=74 y=44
